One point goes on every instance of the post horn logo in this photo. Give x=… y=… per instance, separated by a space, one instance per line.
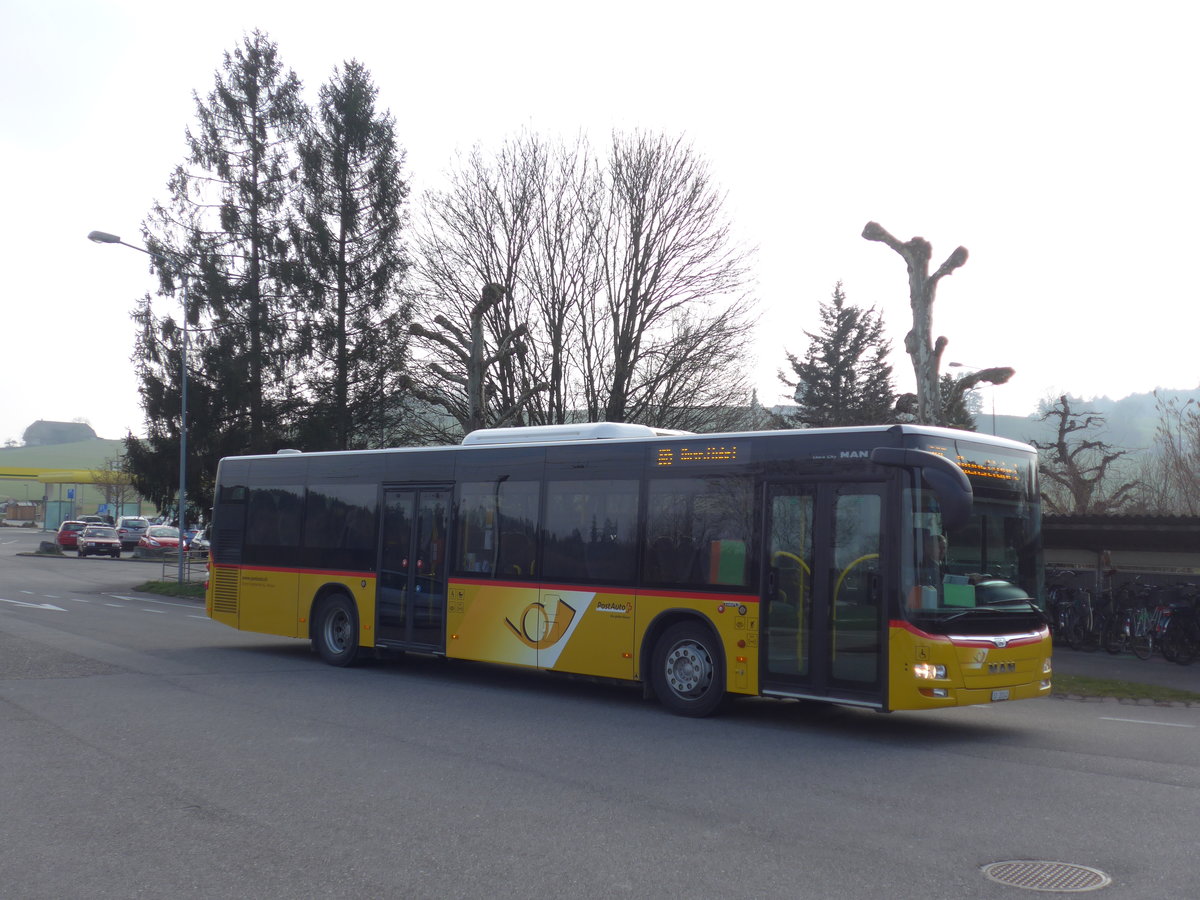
x=538 y=630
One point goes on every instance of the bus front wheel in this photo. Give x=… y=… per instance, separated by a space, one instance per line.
x=335 y=630
x=688 y=671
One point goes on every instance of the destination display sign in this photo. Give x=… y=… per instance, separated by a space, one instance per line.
x=696 y=454
x=986 y=467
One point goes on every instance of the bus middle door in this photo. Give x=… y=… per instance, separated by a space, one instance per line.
x=411 y=599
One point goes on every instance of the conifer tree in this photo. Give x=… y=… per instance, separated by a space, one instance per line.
x=223 y=230
x=347 y=233
x=844 y=378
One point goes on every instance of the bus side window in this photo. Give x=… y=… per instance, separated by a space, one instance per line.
x=698 y=531
x=591 y=529
x=497 y=531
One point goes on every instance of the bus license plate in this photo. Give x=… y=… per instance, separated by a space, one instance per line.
x=1000 y=695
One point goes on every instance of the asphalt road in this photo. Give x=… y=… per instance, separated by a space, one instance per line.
x=150 y=752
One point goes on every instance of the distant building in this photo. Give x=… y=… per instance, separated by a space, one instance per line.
x=42 y=433
x=21 y=510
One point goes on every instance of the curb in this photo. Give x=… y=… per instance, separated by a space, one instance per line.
x=1129 y=701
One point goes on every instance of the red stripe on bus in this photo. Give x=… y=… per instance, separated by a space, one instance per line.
x=602 y=589
x=244 y=568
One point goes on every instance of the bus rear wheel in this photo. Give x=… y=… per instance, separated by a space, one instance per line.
x=335 y=630
x=687 y=671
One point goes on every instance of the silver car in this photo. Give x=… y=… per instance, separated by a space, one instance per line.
x=130 y=529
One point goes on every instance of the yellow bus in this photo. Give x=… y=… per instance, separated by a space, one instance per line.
x=892 y=568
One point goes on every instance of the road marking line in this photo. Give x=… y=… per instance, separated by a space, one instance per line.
x=116 y=605
x=1146 y=722
x=205 y=618
x=161 y=612
x=29 y=605
x=148 y=600
x=77 y=600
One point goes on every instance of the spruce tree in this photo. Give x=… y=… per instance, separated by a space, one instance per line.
x=350 y=214
x=223 y=230
x=844 y=378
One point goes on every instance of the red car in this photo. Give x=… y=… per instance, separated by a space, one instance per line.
x=68 y=534
x=99 y=540
x=158 y=539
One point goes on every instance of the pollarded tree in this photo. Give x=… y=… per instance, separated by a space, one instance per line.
x=925 y=352
x=479 y=233
x=464 y=391
x=350 y=214
x=1076 y=469
x=844 y=378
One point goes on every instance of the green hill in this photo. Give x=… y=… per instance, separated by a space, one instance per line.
x=80 y=455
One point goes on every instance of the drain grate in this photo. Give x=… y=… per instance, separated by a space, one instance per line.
x=1041 y=875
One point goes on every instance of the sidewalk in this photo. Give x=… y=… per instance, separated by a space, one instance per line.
x=1127 y=667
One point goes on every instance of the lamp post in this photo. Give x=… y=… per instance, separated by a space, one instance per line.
x=959 y=365
x=103 y=237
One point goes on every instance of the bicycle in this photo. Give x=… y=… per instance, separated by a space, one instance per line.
x=1082 y=633
x=1141 y=639
x=1182 y=636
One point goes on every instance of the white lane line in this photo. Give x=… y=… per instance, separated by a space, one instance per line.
x=148 y=600
x=205 y=618
x=29 y=605
x=116 y=605
x=161 y=612
x=1146 y=722
x=77 y=600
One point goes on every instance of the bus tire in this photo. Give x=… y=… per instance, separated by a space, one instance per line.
x=687 y=671
x=335 y=630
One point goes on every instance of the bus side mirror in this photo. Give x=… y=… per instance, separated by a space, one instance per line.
x=946 y=479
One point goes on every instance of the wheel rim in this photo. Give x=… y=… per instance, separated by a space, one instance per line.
x=689 y=669
x=337 y=631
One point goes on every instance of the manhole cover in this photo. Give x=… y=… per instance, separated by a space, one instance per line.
x=1040 y=875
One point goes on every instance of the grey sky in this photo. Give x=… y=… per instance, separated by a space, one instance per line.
x=1057 y=142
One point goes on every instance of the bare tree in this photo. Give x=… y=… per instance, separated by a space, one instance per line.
x=675 y=320
x=624 y=276
x=926 y=354
x=115 y=483
x=478 y=231
x=464 y=394
x=1170 y=476
x=1075 y=469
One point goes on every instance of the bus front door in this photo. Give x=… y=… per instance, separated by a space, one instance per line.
x=411 y=598
x=823 y=613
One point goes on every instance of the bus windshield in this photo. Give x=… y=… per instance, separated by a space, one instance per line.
x=966 y=578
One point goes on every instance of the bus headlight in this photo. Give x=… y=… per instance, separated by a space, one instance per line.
x=929 y=671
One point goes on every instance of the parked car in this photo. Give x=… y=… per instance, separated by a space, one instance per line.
x=94 y=520
x=198 y=543
x=99 y=540
x=68 y=534
x=130 y=529
x=158 y=539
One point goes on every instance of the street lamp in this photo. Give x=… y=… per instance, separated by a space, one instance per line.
x=103 y=237
x=959 y=365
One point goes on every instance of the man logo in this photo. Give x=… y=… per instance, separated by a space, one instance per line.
x=998 y=668
x=1000 y=642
